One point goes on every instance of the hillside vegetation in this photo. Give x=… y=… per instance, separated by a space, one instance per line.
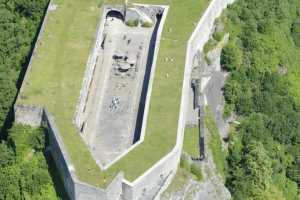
x=19 y=23
x=263 y=58
x=23 y=168
x=24 y=173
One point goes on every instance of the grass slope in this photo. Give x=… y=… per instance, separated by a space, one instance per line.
x=215 y=143
x=57 y=71
x=191 y=141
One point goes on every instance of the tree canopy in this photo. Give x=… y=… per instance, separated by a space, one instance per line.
x=19 y=25
x=262 y=57
x=24 y=172
x=23 y=168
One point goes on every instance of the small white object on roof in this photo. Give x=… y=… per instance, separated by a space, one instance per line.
x=124 y=66
x=52 y=7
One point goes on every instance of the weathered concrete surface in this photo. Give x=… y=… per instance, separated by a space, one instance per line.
x=110 y=130
x=214 y=90
x=28 y=115
x=88 y=76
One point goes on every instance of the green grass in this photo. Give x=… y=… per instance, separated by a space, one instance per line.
x=58 y=67
x=215 y=143
x=191 y=141
x=196 y=170
x=218 y=36
x=210 y=45
x=132 y=23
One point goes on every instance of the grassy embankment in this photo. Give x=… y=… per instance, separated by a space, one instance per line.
x=191 y=141
x=215 y=143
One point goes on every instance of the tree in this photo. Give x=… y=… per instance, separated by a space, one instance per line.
x=296 y=33
x=293 y=171
x=19 y=24
x=231 y=57
x=7 y=156
x=9 y=183
x=23 y=168
x=255 y=175
x=261 y=58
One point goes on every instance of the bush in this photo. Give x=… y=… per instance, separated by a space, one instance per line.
x=185 y=162
x=147 y=24
x=6 y=155
x=132 y=23
x=231 y=57
x=196 y=170
x=24 y=139
x=228 y=109
x=296 y=33
x=218 y=36
x=210 y=45
x=24 y=174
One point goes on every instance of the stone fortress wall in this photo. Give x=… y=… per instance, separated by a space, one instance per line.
x=75 y=188
x=88 y=75
x=159 y=176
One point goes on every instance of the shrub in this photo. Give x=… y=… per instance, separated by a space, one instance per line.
x=185 y=162
x=196 y=170
x=6 y=155
x=231 y=57
x=228 y=109
x=218 y=36
x=210 y=45
x=296 y=33
x=132 y=23
x=147 y=24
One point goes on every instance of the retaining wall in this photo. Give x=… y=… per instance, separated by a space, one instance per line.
x=89 y=73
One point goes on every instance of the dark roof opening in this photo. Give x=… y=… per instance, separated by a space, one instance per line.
x=115 y=14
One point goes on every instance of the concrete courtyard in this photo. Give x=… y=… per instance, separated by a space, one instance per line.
x=115 y=94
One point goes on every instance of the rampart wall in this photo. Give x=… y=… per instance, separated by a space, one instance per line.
x=160 y=174
x=40 y=34
x=89 y=73
x=167 y=166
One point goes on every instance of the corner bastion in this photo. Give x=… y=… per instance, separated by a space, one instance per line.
x=155 y=179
